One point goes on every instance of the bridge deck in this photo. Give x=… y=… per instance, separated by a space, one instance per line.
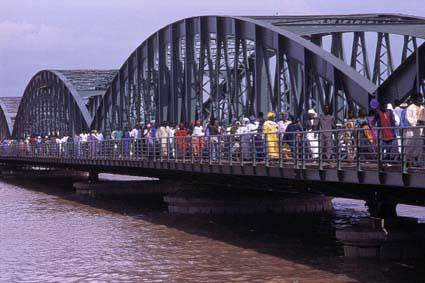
x=345 y=161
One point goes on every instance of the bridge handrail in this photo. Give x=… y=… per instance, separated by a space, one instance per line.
x=358 y=148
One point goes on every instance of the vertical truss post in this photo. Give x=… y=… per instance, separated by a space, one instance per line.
x=174 y=76
x=359 y=55
x=409 y=46
x=337 y=46
x=259 y=61
x=138 y=90
x=383 y=66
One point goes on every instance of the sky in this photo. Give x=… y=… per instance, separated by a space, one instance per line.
x=100 y=34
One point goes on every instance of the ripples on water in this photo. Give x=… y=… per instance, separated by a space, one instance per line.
x=48 y=236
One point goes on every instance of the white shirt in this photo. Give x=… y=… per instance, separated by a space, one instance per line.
x=242 y=130
x=197 y=131
x=84 y=137
x=134 y=133
x=252 y=128
x=171 y=132
x=282 y=126
x=412 y=114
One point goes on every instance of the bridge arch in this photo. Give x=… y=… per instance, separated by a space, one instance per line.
x=8 y=109
x=363 y=32
x=227 y=67
x=59 y=101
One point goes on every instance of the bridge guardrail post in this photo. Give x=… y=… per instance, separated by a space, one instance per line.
x=210 y=150
x=303 y=150
x=403 y=151
x=358 y=151
x=267 y=149
x=254 y=150
x=192 y=155
x=320 y=151
x=379 y=150
x=168 y=149
x=338 y=150
x=280 y=147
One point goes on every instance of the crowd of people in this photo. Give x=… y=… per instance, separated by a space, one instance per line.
x=377 y=134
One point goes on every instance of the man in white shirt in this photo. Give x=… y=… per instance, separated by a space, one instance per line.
x=134 y=133
x=283 y=123
x=414 y=143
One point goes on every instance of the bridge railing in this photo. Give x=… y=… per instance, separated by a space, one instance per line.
x=400 y=149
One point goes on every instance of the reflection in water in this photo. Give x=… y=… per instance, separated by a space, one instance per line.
x=47 y=236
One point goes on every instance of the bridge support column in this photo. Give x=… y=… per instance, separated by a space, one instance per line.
x=93 y=177
x=230 y=202
x=123 y=187
x=383 y=235
x=398 y=238
x=382 y=206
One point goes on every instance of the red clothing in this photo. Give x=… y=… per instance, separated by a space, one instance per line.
x=181 y=140
x=387 y=133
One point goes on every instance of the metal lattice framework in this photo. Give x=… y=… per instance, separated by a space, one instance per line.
x=60 y=101
x=229 y=67
x=226 y=67
x=8 y=109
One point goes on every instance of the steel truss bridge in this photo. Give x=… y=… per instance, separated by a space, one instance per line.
x=229 y=67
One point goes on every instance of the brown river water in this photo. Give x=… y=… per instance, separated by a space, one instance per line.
x=48 y=235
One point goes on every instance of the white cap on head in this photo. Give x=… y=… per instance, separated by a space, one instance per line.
x=245 y=120
x=311 y=111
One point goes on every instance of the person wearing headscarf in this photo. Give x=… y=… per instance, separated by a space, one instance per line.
x=270 y=129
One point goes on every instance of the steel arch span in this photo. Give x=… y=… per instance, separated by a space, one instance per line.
x=59 y=101
x=228 y=67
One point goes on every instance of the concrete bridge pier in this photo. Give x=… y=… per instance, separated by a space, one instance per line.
x=383 y=235
x=382 y=206
x=110 y=186
x=93 y=177
x=209 y=201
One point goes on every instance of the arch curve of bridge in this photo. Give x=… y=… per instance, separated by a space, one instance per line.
x=50 y=103
x=226 y=67
x=397 y=24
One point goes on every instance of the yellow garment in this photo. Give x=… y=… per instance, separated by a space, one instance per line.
x=270 y=130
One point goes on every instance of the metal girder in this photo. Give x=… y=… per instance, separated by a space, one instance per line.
x=359 y=55
x=407 y=80
x=328 y=24
x=57 y=101
x=383 y=66
x=226 y=67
